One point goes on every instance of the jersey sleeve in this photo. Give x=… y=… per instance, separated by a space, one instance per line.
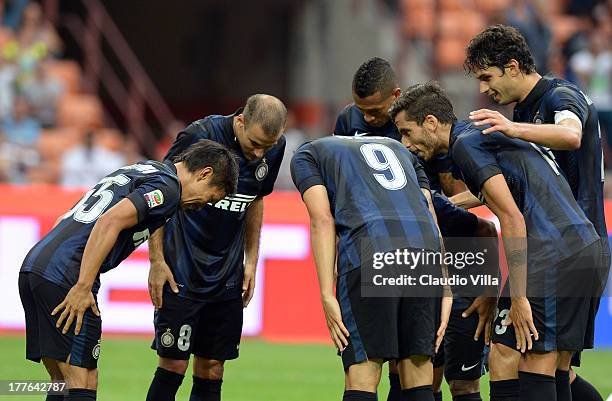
x=305 y=170
x=268 y=184
x=565 y=98
x=343 y=122
x=157 y=197
x=474 y=155
x=190 y=135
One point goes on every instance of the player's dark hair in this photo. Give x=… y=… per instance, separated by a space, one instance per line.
x=419 y=101
x=495 y=47
x=207 y=153
x=266 y=111
x=375 y=75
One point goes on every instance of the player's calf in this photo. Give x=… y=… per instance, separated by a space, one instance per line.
x=167 y=379
x=537 y=376
x=81 y=382
x=465 y=390
x=207 y=379
x=503 y=373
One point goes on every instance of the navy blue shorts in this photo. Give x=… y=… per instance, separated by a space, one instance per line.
x=453 y=220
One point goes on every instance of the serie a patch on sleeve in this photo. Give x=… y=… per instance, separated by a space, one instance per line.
x=154 y=198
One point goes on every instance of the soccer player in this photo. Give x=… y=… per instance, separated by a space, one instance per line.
x=367 y=190
x=375 y=87
x=553 y=113
x=523 y=186
x=60 y=276
x=208 y=257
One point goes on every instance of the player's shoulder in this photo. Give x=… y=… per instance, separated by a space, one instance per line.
x=562 y=89
x=349 y=119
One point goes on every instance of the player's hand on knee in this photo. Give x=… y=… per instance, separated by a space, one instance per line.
x=485 y=307
x=333 y=316
x=447 y=305
x=77 y=301
x=248 y=284
x=524 y=328
x=159 y=275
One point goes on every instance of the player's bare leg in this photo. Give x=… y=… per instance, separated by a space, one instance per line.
x=416 y=375
x=438 y=376
x=167 y=380
x=81 y=382
x=503 y=372
x=361 y=380
x=207 y=379
x=56 y=376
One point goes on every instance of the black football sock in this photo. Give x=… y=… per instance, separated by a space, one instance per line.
x=80 y=394
x=582 y=390
x=467 y=397
x=205 y=390
x=564 y=391
x=55 y=397
x=357 y=395
x=438 y=396
x=395 y=389
x=537 y=387
x=421 y=393
x=504 y=390
x=164 y=386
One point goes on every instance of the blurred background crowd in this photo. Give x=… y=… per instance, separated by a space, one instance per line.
x=62 y=120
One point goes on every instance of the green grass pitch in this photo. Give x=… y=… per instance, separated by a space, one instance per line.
x=264 y=371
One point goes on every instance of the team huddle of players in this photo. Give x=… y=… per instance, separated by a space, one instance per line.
x=400 y=165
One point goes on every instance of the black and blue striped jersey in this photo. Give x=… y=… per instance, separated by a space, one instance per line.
x=205 y=248
x=583 y=168
x=154 y=189
x=556 y=226
x=373 y=185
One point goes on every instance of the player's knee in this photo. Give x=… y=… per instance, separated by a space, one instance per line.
x=565 y=360
x=486 y=228
x=503 y=362
x=53 y=369
x=363 y=376
x=92 y=379
x=174 y=365
x=462 y=387
x=210 y=369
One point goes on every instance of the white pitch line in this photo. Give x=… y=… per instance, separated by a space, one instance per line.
x=609 y=398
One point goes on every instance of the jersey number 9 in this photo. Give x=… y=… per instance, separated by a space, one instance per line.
x=381 y=158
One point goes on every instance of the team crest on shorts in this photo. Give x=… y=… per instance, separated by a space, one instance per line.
x=167 y=339
x=95 y=352
x=262 y=170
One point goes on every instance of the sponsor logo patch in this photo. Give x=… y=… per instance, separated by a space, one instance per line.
x=154 y=198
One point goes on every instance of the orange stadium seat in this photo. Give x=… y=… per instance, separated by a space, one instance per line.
x=450 y=53
x=461 y=24
x=418 y=23
x=489 y=7
x=54 y=142
x=68 y=72
x=456 y=5
x=80 y=111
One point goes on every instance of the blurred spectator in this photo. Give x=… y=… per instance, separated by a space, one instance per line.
x=528 y=17
x=593 y=68
x=85 y=164
x=16 y=161
x=12 y=12
x=8 y=76
x=21 y=128
x=294 y=137
x=43 y=92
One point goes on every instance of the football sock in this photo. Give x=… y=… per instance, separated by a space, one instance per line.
x=537 y=387
x=80 y=394
x=564 y=391
x=205 y=390
x=395 y=389
x=467 y=397
x=357 y=395
x=55 y=397
x=164 y=386
x=421 y=393
x=504 y=390
x=582 y=390
x=438 y=396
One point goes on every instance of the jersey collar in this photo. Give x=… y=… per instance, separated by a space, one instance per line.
x=536 y=93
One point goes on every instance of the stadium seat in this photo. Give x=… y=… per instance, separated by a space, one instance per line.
x=450 y=53
x=80 y=111
x=68 y=72
x=461 y=24
x=489 y=7
x=416 y=23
